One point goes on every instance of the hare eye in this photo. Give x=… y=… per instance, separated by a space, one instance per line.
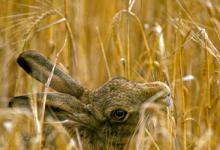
x=118 y=115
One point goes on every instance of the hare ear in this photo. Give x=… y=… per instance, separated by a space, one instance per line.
x=40 y=68
x=64 y=106
x=19 y=101
x=60 y=101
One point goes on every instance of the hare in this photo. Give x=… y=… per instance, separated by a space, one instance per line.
x=106 y=115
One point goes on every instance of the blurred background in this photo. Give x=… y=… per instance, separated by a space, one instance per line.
x=173 y=41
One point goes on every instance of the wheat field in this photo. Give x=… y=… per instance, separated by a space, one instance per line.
x=173 y=41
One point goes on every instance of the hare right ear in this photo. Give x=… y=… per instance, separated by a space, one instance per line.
x=40 y=68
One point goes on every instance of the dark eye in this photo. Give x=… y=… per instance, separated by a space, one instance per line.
x=118 y=115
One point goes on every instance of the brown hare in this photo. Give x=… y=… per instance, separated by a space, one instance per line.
x=107 y=115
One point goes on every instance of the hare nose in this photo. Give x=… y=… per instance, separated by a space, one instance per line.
x=159 y=92
x=165 y=98
x=168 y=101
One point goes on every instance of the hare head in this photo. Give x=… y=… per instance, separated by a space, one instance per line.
x=107 y=114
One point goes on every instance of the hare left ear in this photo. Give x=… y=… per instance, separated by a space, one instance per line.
x=40 y=68
x=60 y=101
x=64 y=106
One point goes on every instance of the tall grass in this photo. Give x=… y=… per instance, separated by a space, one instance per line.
x=174 y=41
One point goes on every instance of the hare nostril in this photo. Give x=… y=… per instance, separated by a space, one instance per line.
x=118 y=115
x=169 y=101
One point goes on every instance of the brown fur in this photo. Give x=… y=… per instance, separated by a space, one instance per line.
x=105 y=116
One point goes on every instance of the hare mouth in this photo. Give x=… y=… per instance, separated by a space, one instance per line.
x=118 y=142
